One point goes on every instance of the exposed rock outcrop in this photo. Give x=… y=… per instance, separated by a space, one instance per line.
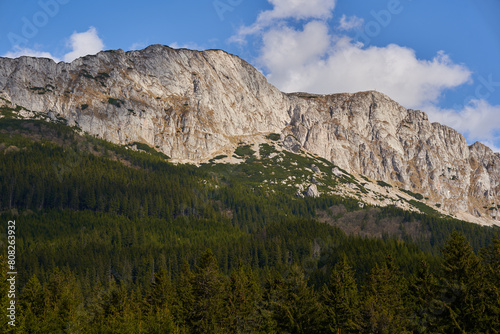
x=194 y=105
x=312 y=191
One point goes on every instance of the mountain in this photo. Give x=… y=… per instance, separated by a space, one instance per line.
x=194 y=106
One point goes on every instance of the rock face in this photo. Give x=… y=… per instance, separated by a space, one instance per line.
x=195 y=105
x=370 y=134
x=190 y=104
x=312 y=191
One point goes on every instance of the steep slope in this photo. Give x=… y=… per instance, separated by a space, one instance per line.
x=370 y=134
x=194 y=106
x=189 y=104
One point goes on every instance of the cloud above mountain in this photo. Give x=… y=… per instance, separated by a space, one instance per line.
x=478 y=120
x=18 y=51
x=84 y=43
x=287 y=9
x=300 y=52
x=79 y=44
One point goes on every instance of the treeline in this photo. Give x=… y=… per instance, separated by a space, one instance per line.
x=48 y=166
x=84 y=173
x=110 y=240
x=462 y=296
x=131 y=249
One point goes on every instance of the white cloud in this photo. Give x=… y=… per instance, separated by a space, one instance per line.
x=308 y=56
x=350 y=23
x=298 y=9
x=81 y=44
x=342 y=66
x=84 y=43
x=286 y=50
x=478 y=120
x=311 y=58
x=287 y=9
x=18 y=52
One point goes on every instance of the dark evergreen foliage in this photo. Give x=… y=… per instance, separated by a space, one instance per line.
x=112 y=240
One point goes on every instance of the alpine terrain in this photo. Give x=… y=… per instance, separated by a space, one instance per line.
x=177 y=191
x=196 y=106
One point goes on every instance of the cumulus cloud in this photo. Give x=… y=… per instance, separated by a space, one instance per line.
x=18 y=52
x=310 y=57
x=299 y=51
x=478 y=120
x=84 y=43
x=286 y=51
x=80 y=44
x=298 y=9
x=312 y=60
x=287 y=9
x=350 y=23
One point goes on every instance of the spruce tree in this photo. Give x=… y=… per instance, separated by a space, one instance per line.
x=159 y=315
x=340 y=298
x=423 y=291
x=242 y=298
x=209 y=308
x=462 y=299
x=182 y=306
x=296 y=307
x=383 y=307
x=32 y=306
x=491 y=260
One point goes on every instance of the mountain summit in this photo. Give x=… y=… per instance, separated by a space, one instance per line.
x=194 y=106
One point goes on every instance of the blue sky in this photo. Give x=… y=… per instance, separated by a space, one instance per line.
x=438 y=56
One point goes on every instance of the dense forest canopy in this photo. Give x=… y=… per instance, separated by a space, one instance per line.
x=115 y=240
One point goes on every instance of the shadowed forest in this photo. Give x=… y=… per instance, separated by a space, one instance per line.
x=113 y=240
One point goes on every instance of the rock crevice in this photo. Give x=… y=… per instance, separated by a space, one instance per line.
x=192 y=105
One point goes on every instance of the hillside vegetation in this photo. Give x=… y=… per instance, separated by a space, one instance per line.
x=115 y=239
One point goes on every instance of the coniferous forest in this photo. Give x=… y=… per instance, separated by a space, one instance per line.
x=110 y=239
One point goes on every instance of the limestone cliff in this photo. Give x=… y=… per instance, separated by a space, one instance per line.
x=195 y=105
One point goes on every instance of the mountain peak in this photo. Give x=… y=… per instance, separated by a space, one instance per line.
x=195 y=105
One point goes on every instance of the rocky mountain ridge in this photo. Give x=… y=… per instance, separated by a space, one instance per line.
x=195 y=105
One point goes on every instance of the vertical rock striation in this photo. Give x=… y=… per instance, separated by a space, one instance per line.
x=194 y=105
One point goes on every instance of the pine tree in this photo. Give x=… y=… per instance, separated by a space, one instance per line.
x=63 y=298
x=114 y=304
x=296 y=308
x=340 y=298
x=423 y=291
x=208 y=308
x=182 y=304
x=243 y=296
x=32 y=306
x=160 y=319
x=271 y=295
x=491 y=260
x=463 y=288
x=383 y=305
